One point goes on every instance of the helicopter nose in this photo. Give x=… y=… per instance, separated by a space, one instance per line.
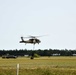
x=39 y=41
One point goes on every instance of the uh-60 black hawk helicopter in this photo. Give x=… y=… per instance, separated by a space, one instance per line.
x=32 y=40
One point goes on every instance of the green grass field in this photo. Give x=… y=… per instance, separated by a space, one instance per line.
x=39 y=66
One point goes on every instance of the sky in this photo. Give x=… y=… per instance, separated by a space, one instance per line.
x=54 y=18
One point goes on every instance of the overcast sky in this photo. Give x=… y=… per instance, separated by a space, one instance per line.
x=55 y=18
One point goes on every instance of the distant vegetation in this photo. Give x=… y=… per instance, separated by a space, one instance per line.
x=45 y=52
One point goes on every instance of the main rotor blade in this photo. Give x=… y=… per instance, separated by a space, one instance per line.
x=30 y=36
x=37 y=36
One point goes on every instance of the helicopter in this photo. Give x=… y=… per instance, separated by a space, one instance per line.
x=32 y=40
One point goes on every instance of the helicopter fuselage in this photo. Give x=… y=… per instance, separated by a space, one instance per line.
x=31 y=41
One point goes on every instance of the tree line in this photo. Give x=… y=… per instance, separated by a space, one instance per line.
x=45 y=52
